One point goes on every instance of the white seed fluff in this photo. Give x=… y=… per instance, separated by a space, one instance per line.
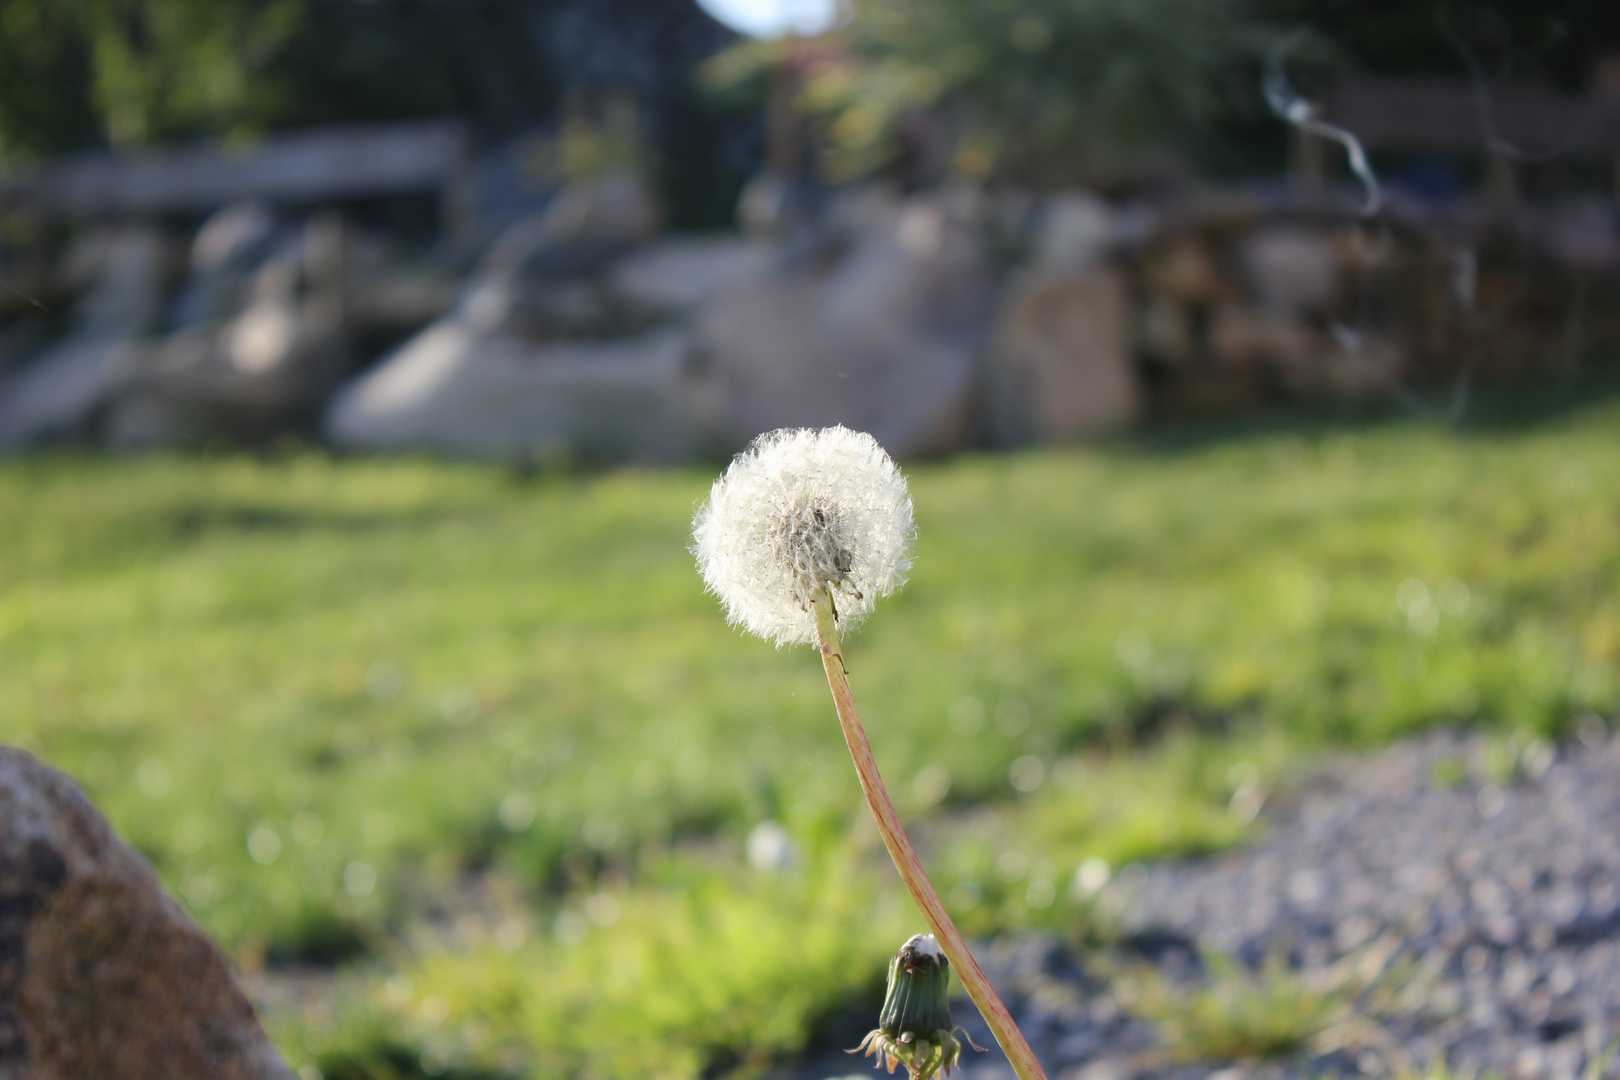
x=926 y=944
x=799 y=511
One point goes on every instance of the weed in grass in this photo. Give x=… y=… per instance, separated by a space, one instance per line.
x=697 y=975
x=1234 y=1013
x=1238 y=1014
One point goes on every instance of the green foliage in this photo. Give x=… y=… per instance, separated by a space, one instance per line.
x=1555 y=41
x=87 y=74
x=690 y=975
x=45 y=103
x=1042 y=89
x=167 y=68
x=82 y=73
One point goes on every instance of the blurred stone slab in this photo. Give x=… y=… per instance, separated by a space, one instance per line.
x=102 y=974
x=304 y=167
x=1076 y=231
x=879 y=331
x=616 y=209
x=460 y=390
x=265 y=366
x=265 y=345
x=130 y=282
x=60 y=392
x=1060 y=363
x=676 y=277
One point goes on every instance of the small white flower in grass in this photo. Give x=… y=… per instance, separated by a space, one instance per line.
x=798 y=512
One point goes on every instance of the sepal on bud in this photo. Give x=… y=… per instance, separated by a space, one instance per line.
x=914 y=1029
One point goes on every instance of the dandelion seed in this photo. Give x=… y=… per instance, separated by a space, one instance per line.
x=797 y=513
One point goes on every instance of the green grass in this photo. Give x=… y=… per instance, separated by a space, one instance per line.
x=332 y=698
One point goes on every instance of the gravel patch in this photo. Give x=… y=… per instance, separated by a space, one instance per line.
x=1465 y=891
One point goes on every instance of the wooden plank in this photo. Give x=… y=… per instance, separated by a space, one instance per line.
x=300 y=167
x=1455 y=116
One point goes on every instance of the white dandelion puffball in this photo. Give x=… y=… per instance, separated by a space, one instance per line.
x=797 y=512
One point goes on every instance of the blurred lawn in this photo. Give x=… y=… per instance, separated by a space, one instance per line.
x=478 y=735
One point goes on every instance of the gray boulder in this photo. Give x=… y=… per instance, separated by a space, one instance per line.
x=458 y=389
x=882 y=337
x=102 y=974
x=561 y=345
x=676 y=277
x=1059 y=365
x=1076 y=231
x=61 y=392
x=264 y=365
x=127 y=297
x=616 y=208
x=232 y=244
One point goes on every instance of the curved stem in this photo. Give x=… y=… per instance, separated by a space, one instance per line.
x=905 y=858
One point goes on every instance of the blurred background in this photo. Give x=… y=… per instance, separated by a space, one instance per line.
x=362 y=363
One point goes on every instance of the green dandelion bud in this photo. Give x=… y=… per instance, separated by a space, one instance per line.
x=914 y=1029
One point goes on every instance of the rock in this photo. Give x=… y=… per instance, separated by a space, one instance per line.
x=61 y=391
x=80 y=262
x=229 y=247
x=677 y=277
x=1059 y=362
x=881 y=336
x=456 y=389
x=128 y=294
x=102 y=974
x=59 y=394
x=117 y=273
x=268 y=343
x=261 y=339
x=262 y=368
x=1293 y=271
x=544 y=283
x=239 y=235
x=616 y=209
x=1075 y=232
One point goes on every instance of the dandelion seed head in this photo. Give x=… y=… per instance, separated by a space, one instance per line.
x=799 y=511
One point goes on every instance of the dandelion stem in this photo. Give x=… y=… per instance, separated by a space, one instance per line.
x=905 y=858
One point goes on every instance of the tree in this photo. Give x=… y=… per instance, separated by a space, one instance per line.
x=45 y=64
x=1038 y=89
